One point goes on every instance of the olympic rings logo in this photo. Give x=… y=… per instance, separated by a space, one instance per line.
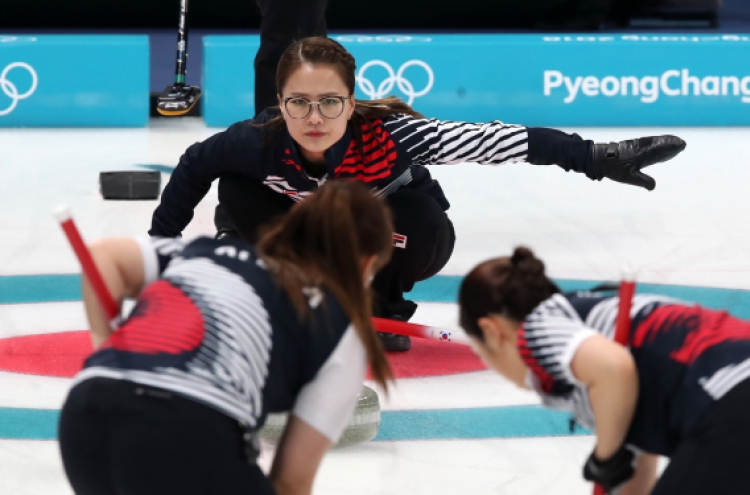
x=10 y=89
x=394 y=78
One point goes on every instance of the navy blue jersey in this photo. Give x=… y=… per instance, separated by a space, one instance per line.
x=213 y=326
x=394 y=149
x=687 y=358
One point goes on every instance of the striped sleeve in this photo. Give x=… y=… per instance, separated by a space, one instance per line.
x=549 y=339
x=443 y=142
x=157 y=252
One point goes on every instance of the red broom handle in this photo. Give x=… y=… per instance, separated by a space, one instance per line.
x=90 y=270
x=420 y=331
x=627 y=290
x=622 y=327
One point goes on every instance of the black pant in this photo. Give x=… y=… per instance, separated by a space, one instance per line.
x=118 y=438
x=248 y=204
x=713 y=457
x=283 y=21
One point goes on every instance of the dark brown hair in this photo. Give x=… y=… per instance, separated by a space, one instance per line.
x=508 y=286
x=325 y=51
x=321 y=243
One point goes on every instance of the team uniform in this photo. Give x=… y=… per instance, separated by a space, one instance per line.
x=212 y=346
x=263 y=174
x=693 y=366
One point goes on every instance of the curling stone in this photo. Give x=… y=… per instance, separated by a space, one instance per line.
x=363 y=425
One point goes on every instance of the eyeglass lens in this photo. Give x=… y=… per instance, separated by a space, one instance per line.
x=299 y=108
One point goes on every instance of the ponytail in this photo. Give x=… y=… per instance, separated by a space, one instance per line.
x=509 y=286
x=321 y=242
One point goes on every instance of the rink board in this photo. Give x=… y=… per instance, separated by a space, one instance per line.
x=74 y=81
x=547 y=80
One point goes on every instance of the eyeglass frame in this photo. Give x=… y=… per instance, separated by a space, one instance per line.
x=310 y=105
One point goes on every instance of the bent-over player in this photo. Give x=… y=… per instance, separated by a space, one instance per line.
x=680 y=389
x=222 y=334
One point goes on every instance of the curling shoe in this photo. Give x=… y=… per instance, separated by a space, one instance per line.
x=393 y=342
x=623 y=161
x=399 y=311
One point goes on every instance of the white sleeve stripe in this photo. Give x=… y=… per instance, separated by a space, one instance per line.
x=393 y=128
x=566 y=357
x=501 y=140
x=496 y=154
x=725 y=379
x=327 y=402
x=446 y=142
x=508 y=142
x=461 y=141
x=150 y=260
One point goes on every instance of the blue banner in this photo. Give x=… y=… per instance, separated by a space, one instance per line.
x=545 y=80
x=74 y=81
x=228 y=79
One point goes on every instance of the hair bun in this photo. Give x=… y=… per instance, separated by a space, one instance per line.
x=523 y=260
x=521 y=254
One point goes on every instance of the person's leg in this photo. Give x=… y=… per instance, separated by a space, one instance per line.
x=714 y=455
x=245 y=205
x=423 y=243
x=119 y=438
x=283 y=21
x=82 y=435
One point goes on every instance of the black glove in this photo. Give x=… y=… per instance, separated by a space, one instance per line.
x=610 y=473
x=623 y=161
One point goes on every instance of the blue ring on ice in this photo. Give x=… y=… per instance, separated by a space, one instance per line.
x=22 y=289
x=427 y=424
x=431 y=424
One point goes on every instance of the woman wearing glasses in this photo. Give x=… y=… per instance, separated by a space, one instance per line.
x=322 y=133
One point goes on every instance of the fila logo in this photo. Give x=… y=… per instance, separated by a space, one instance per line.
x=399 y=241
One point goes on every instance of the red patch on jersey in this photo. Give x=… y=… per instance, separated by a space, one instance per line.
x=705 y=328
x=545 y=379
x=379 y=159
x=166 y=321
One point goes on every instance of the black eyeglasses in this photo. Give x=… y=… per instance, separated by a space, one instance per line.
x=329 y=107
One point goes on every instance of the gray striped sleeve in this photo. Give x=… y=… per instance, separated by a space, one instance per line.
x=436 y=142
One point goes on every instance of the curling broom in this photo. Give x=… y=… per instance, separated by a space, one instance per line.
x=179 y=98
x=622 y=326
x=90 y=270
